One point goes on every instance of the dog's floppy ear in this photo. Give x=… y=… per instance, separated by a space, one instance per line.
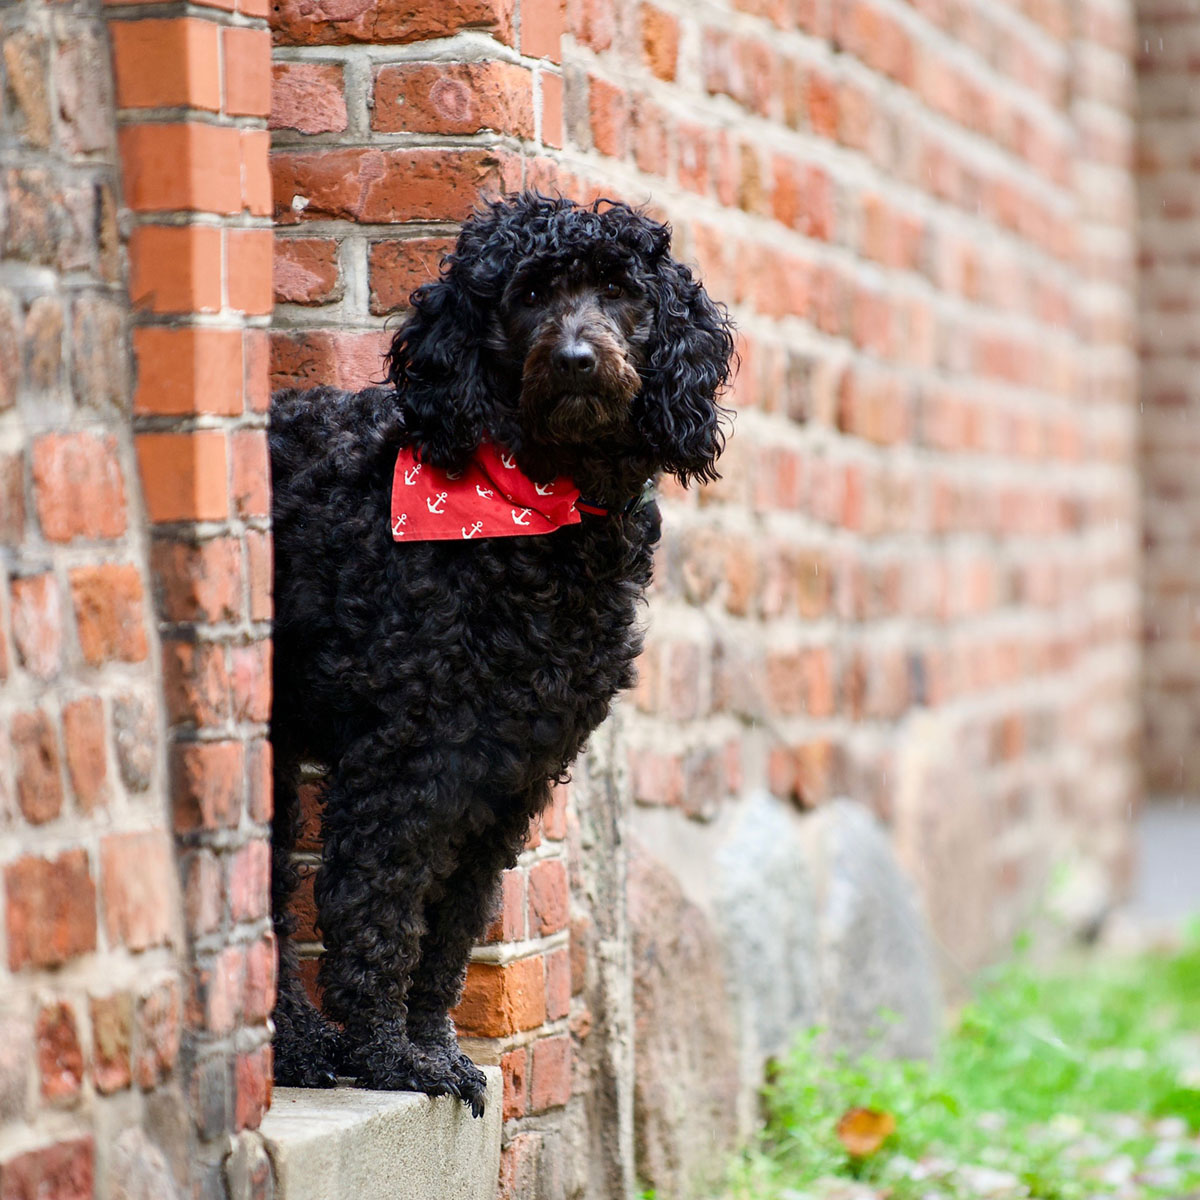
x=435 y=367
x=677 y=409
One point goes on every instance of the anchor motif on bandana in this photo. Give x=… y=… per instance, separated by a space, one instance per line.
x=490 y=497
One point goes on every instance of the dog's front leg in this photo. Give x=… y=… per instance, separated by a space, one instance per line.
x=457 y=915
x=384 y=849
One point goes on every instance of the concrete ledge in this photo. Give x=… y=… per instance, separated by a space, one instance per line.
x=348 y=1144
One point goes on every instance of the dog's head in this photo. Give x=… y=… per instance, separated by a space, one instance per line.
x=554 y=327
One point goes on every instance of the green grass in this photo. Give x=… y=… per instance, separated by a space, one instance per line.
x=1053 y=1078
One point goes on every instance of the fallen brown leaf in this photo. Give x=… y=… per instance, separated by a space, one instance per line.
x=863 y=1130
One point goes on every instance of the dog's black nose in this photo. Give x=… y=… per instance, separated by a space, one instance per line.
x=574 y=358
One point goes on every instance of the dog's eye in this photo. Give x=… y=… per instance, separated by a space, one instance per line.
x=530 y=297
x=612 y=291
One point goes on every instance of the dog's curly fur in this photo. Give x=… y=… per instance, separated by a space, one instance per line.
x=446 y=684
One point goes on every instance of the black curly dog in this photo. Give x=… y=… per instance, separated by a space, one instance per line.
x=445 y=684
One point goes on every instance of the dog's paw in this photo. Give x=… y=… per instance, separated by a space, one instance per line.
x=305 y=1074
x=435 y=1043
x=306 y=1064
x=404 y=1067
x=472 y=1085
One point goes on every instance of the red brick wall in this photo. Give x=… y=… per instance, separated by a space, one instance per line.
x=193 y=90
x=91 y=993
x=138 y=963
x=915 y=584
x=1167 y=167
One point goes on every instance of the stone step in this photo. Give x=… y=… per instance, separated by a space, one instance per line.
x=348 y=1144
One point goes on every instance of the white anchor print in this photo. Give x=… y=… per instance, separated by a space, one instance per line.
x=410 y=476
x=402 y=519
x=470 y=533
x=437 y=505
x=486 y=493
x=543 y=491
x=520 y=516
x=507 y=462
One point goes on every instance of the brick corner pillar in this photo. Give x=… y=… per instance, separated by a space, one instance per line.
x=193 y=94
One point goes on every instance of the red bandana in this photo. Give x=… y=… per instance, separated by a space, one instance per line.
x=492 y=497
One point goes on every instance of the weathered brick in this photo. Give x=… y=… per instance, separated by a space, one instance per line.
x=62 y=1171
x=399 y=267
x=38 y=767
x=10 y=356
x=449 y=98
x=43 y=337
x=196 y=683
x=51 y=909
x=60 y=1057
x=384 y=186
x=16 y=1067
x=27 y=63
x=253 y=1080
x=258 y=997
x=550 y=1077
x=135 y=875
x=203 y=891
x=548 y=897
x=509 y=925
x=250 y=473
x=12 y=498
x=660 y=41
x=83 y=92
x=199 y=581
x=514 y=1069
x=250 y=881
x=558 y=984
x=78 y=487
x=157 y=1034
x=308 y=97
x=109 y=617
x=206 y=784
x=389 y=21
x=36 y=615
x=112 y=1041
x=306 y=271
x=135 y=736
